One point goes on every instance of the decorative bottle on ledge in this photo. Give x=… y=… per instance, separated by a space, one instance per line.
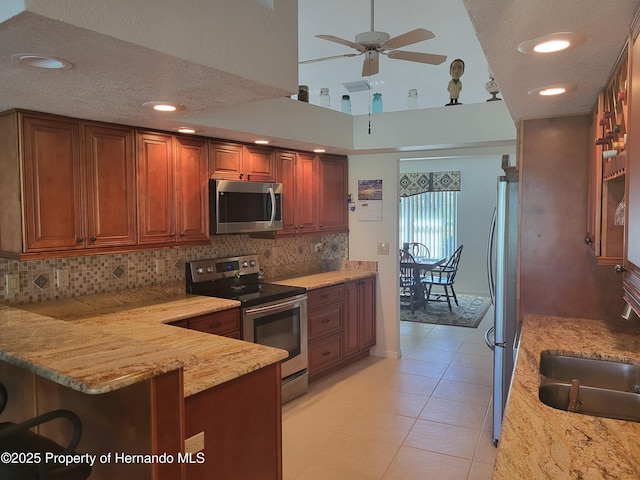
x=345 y=105
x=325 y=99
x=412 y=99
x=376 y=103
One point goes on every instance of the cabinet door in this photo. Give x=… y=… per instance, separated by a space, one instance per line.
x=306 y=179
x=286 y=174
x=52 y=184
x=351 y=323
x=110 y=186
x=333 y=194
x=191 y=177
x=225 y=160
x=156 y=220
x=631 y=280
x=367 y=312
x=259 y=164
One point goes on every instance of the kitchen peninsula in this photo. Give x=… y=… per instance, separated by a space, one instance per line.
x=138 y=384
x=113 y=359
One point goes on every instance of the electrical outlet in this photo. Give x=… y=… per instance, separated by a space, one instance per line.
x=194 y=444
x=159 y=266
x=62 y=278
x=383 y=249
x=12 y=283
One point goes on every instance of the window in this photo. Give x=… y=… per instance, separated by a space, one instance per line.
x=431 y=218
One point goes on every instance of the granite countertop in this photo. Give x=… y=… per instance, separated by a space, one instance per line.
x=326 y=279
x=540 y=442
x=98 y=343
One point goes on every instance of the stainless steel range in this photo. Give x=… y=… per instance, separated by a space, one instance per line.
x=272 y=314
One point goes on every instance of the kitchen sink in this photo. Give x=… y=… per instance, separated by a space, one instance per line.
x=592 y=387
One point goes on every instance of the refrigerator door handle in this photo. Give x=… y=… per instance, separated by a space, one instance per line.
x=492 y=343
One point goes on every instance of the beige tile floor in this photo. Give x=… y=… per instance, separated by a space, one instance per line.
x=424 y=416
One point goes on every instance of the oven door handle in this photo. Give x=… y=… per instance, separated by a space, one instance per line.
x=274 y=307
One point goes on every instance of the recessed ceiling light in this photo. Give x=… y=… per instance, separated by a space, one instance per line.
x=163 y=106
x=319 y=150
x=551 y=90
x=261 y=142
x=42 y=61
x=553 y=42
x=186 y=130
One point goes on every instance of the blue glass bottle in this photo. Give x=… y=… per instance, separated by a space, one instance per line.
x=376 y=103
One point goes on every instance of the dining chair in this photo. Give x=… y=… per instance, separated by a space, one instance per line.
x=18 y=438
x=443 y=276
x=418 y=249
x=407 y=282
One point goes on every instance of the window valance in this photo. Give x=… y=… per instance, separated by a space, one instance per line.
x=422 y=182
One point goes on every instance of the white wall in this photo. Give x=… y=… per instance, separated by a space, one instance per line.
x=476 y=203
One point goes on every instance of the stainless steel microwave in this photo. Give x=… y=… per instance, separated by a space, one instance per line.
x=244 y=207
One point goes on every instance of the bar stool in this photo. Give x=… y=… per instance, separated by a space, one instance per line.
x=17 y=438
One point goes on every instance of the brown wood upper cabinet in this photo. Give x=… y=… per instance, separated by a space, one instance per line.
x=631 y=282
x=172 y=188
x=233 y=161
x=78 y=180
x=332 y=194
x=298 y=174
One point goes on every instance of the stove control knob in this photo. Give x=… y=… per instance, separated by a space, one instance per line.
x=199 y=270
x=245 y=264
x=252 y=263
x=209 y=269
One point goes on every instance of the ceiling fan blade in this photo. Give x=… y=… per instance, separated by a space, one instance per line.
x=414 y=36
x=371 y=64
x=430 y=58
x=342 y=41
x=329 y=58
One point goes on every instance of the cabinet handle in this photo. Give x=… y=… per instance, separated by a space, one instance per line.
x=326 y=295
x=79 y=240
x=587 y=240
x=324 y=354
x=93 y=239
x=619 y=269
x=249 y=177
x=173 y=235
x=326 y=320
x=241 y=176
x=182 y=234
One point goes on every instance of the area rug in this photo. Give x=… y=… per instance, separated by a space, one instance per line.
x=468 y=314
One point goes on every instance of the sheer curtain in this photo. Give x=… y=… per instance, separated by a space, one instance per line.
x=430 y=218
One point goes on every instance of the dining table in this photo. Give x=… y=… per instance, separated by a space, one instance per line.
x=421 y=266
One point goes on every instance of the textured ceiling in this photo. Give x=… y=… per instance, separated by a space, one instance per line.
x=115 y=75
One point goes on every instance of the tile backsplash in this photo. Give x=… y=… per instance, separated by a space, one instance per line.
x=51 y=279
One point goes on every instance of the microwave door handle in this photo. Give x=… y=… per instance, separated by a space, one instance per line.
x=273 y=205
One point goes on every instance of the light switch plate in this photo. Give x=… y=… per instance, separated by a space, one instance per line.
x=194 y=444
x=383 y=249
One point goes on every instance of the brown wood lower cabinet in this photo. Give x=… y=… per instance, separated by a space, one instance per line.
x=341 y=321
x=225 y=323
x=242 y=425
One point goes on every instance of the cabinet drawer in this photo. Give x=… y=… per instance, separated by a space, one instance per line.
x=324 y=321
x=323 y=296
x=324 y=353
x=217 y=323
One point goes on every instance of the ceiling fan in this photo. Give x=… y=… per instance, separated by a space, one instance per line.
x=371 y=44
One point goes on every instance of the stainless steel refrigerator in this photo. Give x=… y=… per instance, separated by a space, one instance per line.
x=502 y=257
